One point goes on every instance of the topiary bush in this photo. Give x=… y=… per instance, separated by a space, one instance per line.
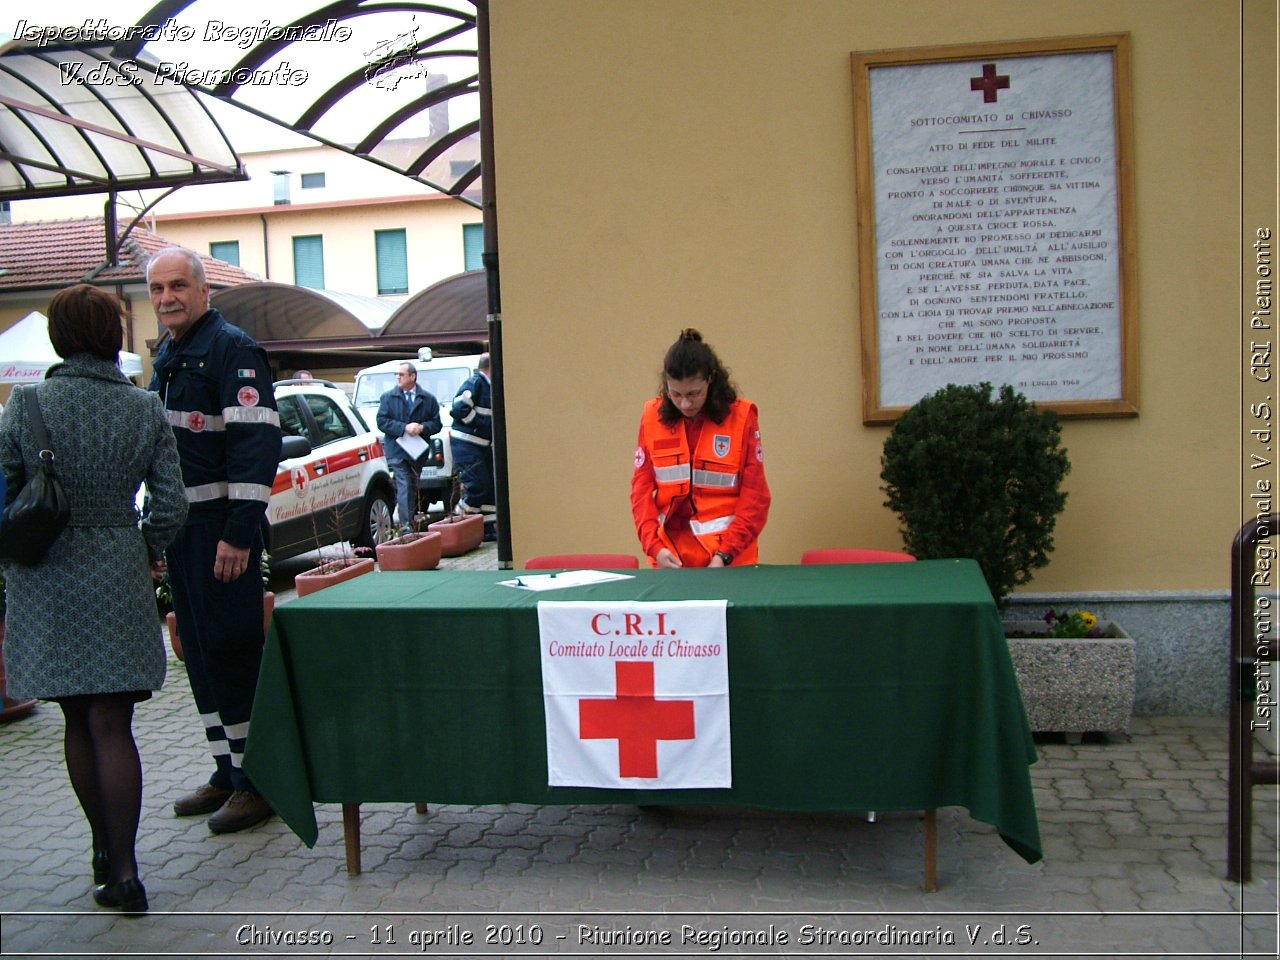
x=973 y=476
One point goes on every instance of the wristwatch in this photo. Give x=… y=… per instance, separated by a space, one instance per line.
x=725 y=558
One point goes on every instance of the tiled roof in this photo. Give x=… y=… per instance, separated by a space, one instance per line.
x=50 y=254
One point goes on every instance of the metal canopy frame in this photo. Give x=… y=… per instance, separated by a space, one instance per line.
x=375 y=107
x=74 y=119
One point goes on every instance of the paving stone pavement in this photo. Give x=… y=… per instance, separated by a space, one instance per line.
x=1134 y=832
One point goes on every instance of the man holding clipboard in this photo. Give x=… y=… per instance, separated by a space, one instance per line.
x=408 y=417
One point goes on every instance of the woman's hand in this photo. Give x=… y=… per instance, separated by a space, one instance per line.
x=668 y=560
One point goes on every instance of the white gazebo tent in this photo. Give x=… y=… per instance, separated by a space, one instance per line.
x=26 y=353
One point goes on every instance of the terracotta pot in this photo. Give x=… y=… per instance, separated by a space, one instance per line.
x=459 y=535
x=175 y=641
x=335 y=571
x=412 y=551
x=10 y=709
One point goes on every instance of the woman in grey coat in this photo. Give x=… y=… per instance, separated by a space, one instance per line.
x=82 y=626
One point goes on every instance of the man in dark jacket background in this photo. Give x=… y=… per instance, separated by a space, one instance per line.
x=407 y=411
x=471 y=444
x=217 y=390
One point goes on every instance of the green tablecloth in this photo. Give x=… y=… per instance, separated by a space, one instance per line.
x=852 y=687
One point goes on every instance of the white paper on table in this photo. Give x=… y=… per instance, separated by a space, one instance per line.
x=558 y=581
x=413 y=446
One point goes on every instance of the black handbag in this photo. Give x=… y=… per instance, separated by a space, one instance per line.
x=40 y=510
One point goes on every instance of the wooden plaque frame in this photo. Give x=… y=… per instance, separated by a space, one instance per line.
x=1120 y=167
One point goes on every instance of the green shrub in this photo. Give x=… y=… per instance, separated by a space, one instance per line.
x=970 y=476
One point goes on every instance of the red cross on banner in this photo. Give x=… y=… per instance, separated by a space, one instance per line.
x=636 y=694
x=989 y=83
x=636 y=720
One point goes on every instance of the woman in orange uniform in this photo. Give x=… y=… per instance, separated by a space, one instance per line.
x=698 y=493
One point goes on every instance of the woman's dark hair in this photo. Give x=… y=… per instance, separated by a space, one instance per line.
x=84 y=319
x=690 y=357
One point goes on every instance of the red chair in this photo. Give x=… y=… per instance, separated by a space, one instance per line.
x=855 y=555
x=583 y=561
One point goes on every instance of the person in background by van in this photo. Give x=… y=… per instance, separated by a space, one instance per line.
x=471 y=443
x=406 y=410
x=698 y=494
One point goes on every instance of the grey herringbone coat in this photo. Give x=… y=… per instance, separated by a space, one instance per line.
x=84 y=620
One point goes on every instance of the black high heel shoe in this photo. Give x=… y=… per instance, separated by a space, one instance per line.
x=101 y=867
x=127 y=896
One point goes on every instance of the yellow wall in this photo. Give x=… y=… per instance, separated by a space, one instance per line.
x=433 y=233
x=690 y=163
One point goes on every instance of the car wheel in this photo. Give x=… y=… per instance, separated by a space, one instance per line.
x=376 y=526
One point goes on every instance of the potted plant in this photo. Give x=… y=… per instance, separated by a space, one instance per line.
x=346 y=566
x=1076 y=672
x=973 y=476
x=351 y=562
x=10 y=709
x=410 y=551
x=459 y=533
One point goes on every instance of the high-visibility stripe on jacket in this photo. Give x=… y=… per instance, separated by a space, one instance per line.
x=710 y=476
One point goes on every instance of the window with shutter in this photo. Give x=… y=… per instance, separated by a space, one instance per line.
x=228 y=251
x=308 y=261
x=392 y=250
x=472 y=245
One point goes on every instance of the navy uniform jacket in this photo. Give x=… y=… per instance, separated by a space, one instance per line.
x=218 y=397
x=394 y=415
x=472 y=410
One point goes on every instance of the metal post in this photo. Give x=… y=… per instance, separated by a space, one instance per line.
x=489 y=209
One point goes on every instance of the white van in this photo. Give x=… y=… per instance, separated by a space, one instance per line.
x=439 y=376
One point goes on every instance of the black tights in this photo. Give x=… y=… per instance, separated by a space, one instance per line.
x=106 y=773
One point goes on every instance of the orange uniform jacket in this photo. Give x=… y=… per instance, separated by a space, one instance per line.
x=699 y=486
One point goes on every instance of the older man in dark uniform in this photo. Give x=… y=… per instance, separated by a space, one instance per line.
x=217 y=391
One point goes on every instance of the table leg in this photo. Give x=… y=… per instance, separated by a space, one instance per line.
x=931 y=850
x=351 y=834
x=420 y=808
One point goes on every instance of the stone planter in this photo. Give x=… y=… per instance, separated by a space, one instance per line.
x=460 y=534
x=1074 y=686
x=335 y=571
x=175 y=641
x=412 y=551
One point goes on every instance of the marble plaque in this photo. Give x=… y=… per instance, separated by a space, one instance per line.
x=997 y=216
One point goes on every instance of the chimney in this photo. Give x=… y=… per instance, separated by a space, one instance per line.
x=437 y=113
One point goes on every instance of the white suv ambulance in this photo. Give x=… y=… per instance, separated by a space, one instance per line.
x=439 y=376
x=335 y=487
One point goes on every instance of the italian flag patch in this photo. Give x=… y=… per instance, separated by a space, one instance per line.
x=246 y=372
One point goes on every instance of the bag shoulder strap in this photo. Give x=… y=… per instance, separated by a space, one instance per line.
x=36 y=419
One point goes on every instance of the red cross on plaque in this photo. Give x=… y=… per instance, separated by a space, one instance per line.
x=989 y=83
x=636 y=720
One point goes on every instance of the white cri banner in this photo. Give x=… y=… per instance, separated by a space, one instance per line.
x=636 y=694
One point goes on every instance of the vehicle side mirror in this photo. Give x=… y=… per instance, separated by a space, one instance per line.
x=292 y=447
